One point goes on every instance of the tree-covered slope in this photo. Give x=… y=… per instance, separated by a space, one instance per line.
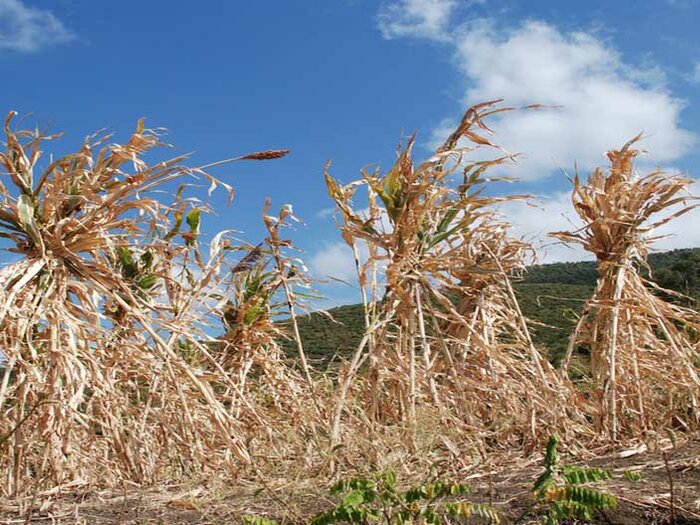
x=550 y=295
x=675 y=269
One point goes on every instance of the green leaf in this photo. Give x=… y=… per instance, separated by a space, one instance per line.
x=252 y=315
x=446 y=220
x=147 y=282
x=389 y=480
x=458 y=489
x=543 y=482
x=193 y=220
x=176 y=227
x=581 y=476
x=354 y=499
x=258 y=520
x=126 y=260
x=25 y=214
x=147 y=260
x=550 y=458
x=333 y=186
x=633 y=475
x=392 y=184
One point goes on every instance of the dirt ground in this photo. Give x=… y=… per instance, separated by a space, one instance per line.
x=669 y=492
x=647 y=501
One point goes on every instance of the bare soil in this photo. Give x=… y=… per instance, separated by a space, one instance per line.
x=668 y=493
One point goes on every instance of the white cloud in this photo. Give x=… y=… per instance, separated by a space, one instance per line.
x=326 y=213
x=532 y=222
x=415 y=18
x=555 y=213
x=335 y=261
x=695 y=75
x=595 y=100
x=25 y=28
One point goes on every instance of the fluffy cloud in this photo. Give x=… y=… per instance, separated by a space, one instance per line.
x=533 y=221
x=595 y=100
x=334 y=261
x=695 y=76
x=24 y=28
x=416 y=18
x=555 y=213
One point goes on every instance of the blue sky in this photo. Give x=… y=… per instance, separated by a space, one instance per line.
x=347 y=80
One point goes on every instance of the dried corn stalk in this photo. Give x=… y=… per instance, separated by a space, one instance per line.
x=100 y=327
x=261 y=291
x=644 y=365
x=447 y=331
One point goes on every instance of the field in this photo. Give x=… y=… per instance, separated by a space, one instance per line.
x=467 y=386
x=645 y=500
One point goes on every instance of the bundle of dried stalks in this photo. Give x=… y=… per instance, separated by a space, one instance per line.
x=265 y=286
x=644 y=365
x=99 y=326
x=472 y=357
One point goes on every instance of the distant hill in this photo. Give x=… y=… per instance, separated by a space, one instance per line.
x=550 y=294
x=675 y=269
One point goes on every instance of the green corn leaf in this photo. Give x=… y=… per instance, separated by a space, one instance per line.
x=126 y=260
x=147 y=260
x=334 y=189
x=25 y=214
x=252 y=315
x=446 y=220
x=147 y=282
x=193 y=219
x=176 y=227
x=392 y=184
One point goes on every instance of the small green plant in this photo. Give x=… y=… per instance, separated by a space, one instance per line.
x=563 y=491
x=633 y=475
x=378 y=501
x=258 y=520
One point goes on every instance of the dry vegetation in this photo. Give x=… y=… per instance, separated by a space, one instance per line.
x=114 y=378
x=644 y=353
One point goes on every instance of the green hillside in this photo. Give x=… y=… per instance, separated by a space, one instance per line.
x=675 y=269
x=551 y=296
x=553 y=309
